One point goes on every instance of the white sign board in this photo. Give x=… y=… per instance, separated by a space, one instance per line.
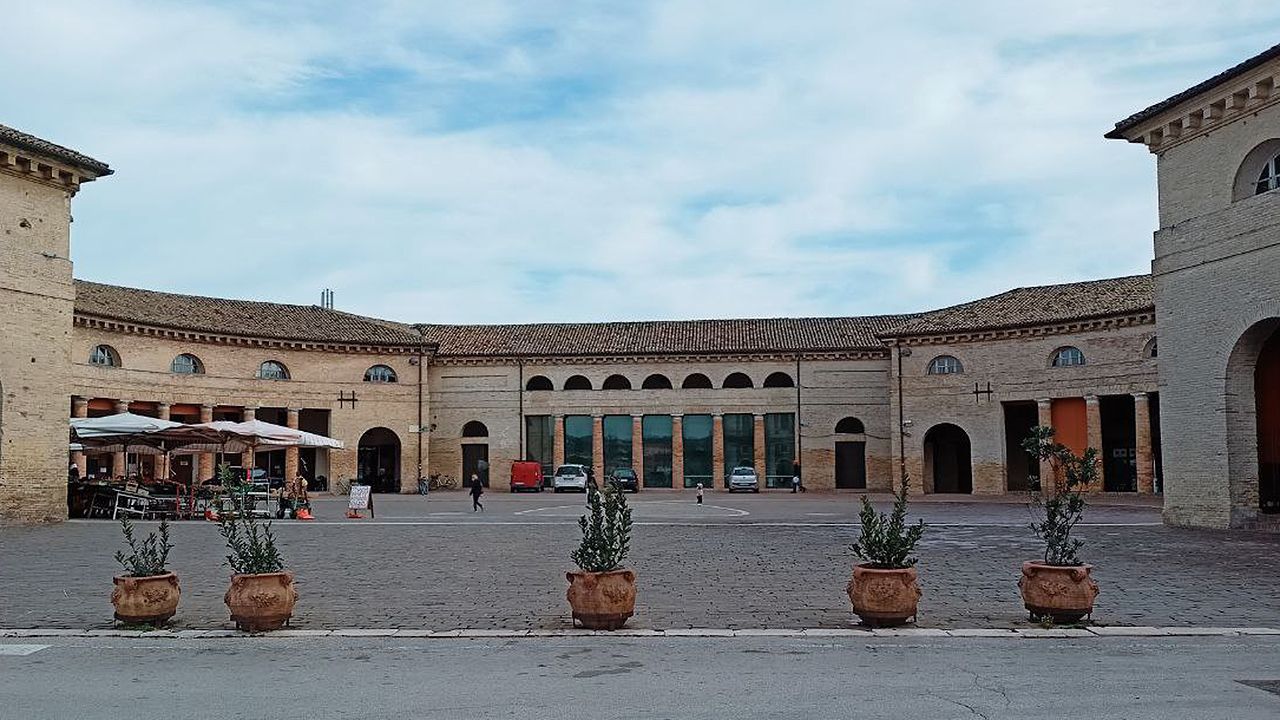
x=359 y=497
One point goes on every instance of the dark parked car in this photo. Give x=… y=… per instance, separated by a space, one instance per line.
x=625 y=479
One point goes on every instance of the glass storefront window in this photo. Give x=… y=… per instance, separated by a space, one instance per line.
x=780 y=448
x=697 y=450
x=617 y=442
x=577 y=440
x=540 y=442
x=739 y=443
x=656 y=434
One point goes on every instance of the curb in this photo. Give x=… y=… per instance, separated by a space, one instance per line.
x=478 y=634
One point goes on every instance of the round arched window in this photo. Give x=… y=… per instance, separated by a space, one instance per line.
x=272 y=370
x=1068 y=357
x=850 y=426
x=696 y=381
x=104 y=356
x=539 y=382
x=577 y=382
x=474 y=429
x=186 y=364
x=779 y=380
x=738 y=380
x=616 y=382
x=1269 y=177
x=657 y=381
x=945 y=365
x=380 y=374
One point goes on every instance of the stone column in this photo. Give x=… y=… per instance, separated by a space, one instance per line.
x=758 y=446
x=247 y=458
x=717 y=449
x=557 y=443
x=204 y=463
x=162 y=461
x=637 y=448
x=80 y=409
x=1044 y=418
x=597 y=447
x=118 y=459
x=1142 y=431
x=1093 y=426
x=291 y=454
x=677 y=452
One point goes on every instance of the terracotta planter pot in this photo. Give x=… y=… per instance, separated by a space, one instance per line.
x=602 y=601
x=152 y=599
x=883 y=597
x=1065 y=594
x=263 y=602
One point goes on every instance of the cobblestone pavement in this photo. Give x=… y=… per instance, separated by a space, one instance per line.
x=756 y=561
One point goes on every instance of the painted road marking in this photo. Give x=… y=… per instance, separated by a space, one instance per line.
x=21 y=650
x=686 y=505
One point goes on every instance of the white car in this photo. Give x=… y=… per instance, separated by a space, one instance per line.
x=743 y=478
x=570 y=477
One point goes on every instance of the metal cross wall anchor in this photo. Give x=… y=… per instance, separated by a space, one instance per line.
x=343 y=399
x=978 y=392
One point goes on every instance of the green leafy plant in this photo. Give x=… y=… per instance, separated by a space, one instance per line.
x=606 y=531
x=1062 y=507
x=149 y=557
x=252 y=545
x=887 y=542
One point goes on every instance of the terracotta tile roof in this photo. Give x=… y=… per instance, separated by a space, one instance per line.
x=1041 y=305
x=1143 y=115
x=663 y=337
x=19 y=139
x=244 y=318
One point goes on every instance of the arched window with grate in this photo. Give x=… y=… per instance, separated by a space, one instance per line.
x=380 y=374
x=104 y=356
x=272 y=370
x=186 y=364
x=945 y=365
x=1068 y=356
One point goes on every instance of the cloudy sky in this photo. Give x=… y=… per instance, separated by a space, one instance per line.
x=487 y=161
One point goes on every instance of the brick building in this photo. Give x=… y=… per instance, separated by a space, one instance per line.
x=1217 y=291
x=946 y=395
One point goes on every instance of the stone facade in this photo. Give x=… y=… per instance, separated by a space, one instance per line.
x=1217 y=284
x=37 y=297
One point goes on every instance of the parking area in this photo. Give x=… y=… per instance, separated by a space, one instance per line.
x=738 y=561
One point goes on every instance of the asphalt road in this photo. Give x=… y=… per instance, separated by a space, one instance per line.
x=601 y=678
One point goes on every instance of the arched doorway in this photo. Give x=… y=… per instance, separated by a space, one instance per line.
x=851 y=454
x=946 y=459
x=378 y=460
x=1253 y=422
x=1266 y=389
x=475 y=453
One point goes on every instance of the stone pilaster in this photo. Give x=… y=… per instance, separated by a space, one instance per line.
x=717 y=450
x=758 y=447
x=637 y=448
x=204 y=463
x=1093 y=426
x=162 y=461
x=597 y=447
x=1044 y=418
x=119 y=461
x=1142 y=431
x=677 y=452
x=557 y=443
x=80 y=409
x=291 y=454
x=248 y=457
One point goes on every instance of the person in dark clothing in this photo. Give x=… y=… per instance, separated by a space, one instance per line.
x=477 y=489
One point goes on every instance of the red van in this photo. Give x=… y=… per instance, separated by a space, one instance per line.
x=526 y=475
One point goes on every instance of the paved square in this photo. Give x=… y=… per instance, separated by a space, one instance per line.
x=769 y=561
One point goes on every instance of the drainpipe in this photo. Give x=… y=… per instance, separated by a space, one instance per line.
x=799 y=424
x=418 y=439
x=520 y=419
x=902 y=428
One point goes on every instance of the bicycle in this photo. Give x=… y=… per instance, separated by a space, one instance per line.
x=342 y=487
x=441 y=482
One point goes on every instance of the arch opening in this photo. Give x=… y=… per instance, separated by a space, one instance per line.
x=656 y=381
x=539 y=383
x=948 y=467
x=577 y=382
x=696 y=381
x=378 y=460
x=613 y=382
x=779 y=380
x=475 y=429
x=738 y=381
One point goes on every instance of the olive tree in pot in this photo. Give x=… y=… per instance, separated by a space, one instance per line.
x=262 y=594
x=1058 y=587
x=147 y=592
x=883 y=589
x=602 y=594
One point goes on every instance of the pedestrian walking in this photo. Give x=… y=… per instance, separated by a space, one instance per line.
x=796 y=484
x=477 y=489
x=699 y=493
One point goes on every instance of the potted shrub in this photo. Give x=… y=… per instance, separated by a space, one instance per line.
x=602 y=594
x=147 y=592
x=262 y=594
x=1059 y=587
x=883 y=588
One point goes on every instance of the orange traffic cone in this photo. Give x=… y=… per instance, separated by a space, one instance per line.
x=304 y=514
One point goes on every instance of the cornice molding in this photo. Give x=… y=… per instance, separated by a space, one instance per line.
x=788 y=357
x=42 y=170
x=130 y=328
x=1009 y=333
x=1210 y=110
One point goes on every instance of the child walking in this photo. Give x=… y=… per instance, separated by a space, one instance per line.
x=699 y=493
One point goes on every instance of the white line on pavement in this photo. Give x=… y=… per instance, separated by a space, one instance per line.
x=21 y=650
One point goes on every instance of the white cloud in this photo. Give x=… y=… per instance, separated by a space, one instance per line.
x=470 y=162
